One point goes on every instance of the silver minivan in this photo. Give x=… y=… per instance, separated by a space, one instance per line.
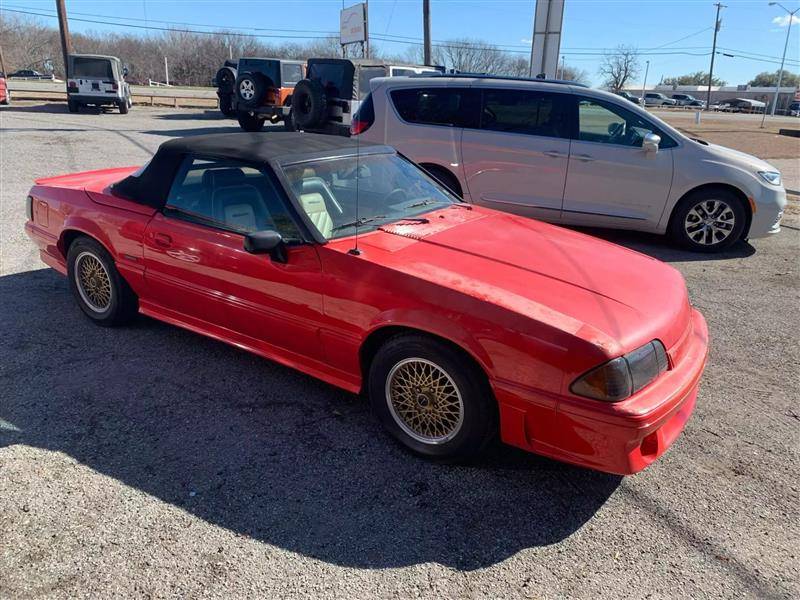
x=568 y=154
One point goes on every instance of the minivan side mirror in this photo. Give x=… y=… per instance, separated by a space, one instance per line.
x=267 y=241
x=651 y=142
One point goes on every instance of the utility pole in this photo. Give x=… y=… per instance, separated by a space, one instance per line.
x=366 y=28
x=563 y=66
x=791 y=14
x=426 y=32
x=717 y=25
x=644 y=83
x=2 y=62
x=66 y=40
x=166 y=71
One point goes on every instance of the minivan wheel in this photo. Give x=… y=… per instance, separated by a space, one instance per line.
x=431 y=399
x=708 y=221
x=101 y=292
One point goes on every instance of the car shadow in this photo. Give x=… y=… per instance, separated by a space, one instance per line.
x=208 y=115
x=660 y=247
x=263 y=450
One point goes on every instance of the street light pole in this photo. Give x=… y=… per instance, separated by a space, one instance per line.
x=717 y=26
x=426 y=32
x=644 y=83
x=791 y=14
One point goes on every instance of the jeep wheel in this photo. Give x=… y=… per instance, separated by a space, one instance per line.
x=72 y=106
x=226 y=104
x=251 y=89
x=309 y=104
x=250 y=122
x=123 y=107
x=226 y=79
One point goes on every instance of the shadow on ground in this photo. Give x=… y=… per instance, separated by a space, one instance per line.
x=262 y=450
x=207 y=115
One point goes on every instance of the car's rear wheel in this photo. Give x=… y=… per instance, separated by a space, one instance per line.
x=250 y=122
x=72 y=106
x=309 y=104
x=708 y=220
x=431 y=398
x=251 y=88
x=101 y=292
x=123 y=107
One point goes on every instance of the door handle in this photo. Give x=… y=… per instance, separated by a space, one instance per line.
x=162 y=239
x=554 y=154
x=583 y=157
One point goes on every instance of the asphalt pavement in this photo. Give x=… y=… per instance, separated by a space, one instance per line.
x=147 y=461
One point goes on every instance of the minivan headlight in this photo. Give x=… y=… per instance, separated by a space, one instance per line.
x=624 y=376
x=773 y=177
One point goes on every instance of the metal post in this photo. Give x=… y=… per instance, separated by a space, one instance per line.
x=166 y=71
x=644 y=83
x=66 y=40
x=717 y=26
x=785 y=46
x=366 y=28
x=426 y=32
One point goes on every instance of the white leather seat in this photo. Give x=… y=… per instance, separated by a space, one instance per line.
x=314 y=206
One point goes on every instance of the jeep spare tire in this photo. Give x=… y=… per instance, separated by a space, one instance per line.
x=309 y=104
x=226 y=79
x=251 y=89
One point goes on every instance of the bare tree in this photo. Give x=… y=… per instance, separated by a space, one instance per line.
x=574 y=74
x=619 y=67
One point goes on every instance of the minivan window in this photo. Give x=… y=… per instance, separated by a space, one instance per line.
x=525 y=111
x=608 y=123
x=448 y=106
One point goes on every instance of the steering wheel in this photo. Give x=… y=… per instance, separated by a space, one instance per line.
x=396 y=196
x=616 y=131
x=489 y=116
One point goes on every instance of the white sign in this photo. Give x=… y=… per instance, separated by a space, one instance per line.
x=546 y=37
x=353 y=24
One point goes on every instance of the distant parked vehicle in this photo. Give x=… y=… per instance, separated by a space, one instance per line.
x=687 y=100
x=28 y=74
x=658 y=99
x=5 y=93
x=794 y=109
x=572 y=155
x=630 y=97
x=96 y=80
x=743 y=105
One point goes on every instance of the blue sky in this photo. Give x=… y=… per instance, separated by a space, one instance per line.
x=752 y=31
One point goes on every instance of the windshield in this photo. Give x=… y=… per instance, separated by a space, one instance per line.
x=388 y=188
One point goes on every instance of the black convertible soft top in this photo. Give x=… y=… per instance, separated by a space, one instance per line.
x=151 y=185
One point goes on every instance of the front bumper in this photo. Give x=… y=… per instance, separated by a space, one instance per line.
x=769 y=205
x=622 y=437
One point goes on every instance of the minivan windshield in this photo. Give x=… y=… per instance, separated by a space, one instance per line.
x=341 y=194
x=92 y=68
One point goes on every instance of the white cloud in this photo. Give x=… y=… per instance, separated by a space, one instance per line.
x=783 y=21
x=526 y=40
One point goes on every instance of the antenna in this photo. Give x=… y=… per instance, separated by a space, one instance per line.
x=355 y=251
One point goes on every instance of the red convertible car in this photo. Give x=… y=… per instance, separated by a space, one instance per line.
x=350 y=264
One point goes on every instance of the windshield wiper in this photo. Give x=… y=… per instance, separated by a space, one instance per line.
x=421 y=203
x=358 y=222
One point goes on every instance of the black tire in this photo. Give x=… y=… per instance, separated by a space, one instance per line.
x=309 y=104
x=72 y=106
x=478 y=425
x=123 y=107
x=288 y=122
x=251 y=88
x=122 y=305
x=226 y=105
x=226 y=80
x=728 y=214
x=251 y=123
x=445 y=177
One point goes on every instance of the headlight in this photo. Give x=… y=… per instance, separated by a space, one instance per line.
x=773 y=177
x=624 y=376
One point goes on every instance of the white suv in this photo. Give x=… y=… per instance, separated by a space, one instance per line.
x=568 y=154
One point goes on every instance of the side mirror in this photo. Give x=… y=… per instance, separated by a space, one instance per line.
x=124 y=71
x=651 y=142
x=266 y=242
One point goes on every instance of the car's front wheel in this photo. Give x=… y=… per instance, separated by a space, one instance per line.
x=432 y=398
x=101 y=292
x=708 y=221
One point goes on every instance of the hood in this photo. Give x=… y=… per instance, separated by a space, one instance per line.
x=616 y=298
x=743 y=160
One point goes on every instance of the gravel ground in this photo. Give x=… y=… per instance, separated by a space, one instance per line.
x=148 y=461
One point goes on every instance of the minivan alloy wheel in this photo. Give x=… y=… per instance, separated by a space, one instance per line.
x=709 y=222
x=424 y=401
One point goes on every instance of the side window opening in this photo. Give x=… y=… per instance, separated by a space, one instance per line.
x=454 y=107
x=526 y=112
x=606 y=123
x=229 y=195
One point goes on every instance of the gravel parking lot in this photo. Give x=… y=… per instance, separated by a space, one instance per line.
x=148 y=461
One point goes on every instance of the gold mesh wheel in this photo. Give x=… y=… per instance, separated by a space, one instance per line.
x=424 y=401
x=94 y=283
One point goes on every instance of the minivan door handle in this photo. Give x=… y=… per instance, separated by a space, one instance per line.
x=554 y=154
x=583 y=157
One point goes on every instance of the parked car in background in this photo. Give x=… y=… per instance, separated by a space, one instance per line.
x=460 y=323
x=325 y=101
x=658 y=99
x=794 y=109
x=97 y=80
x=630 y=97
x=5 y=93
x=262 y=89
x=744 y=105
x=573 y=155
x=28 y=74
x=687 y=100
